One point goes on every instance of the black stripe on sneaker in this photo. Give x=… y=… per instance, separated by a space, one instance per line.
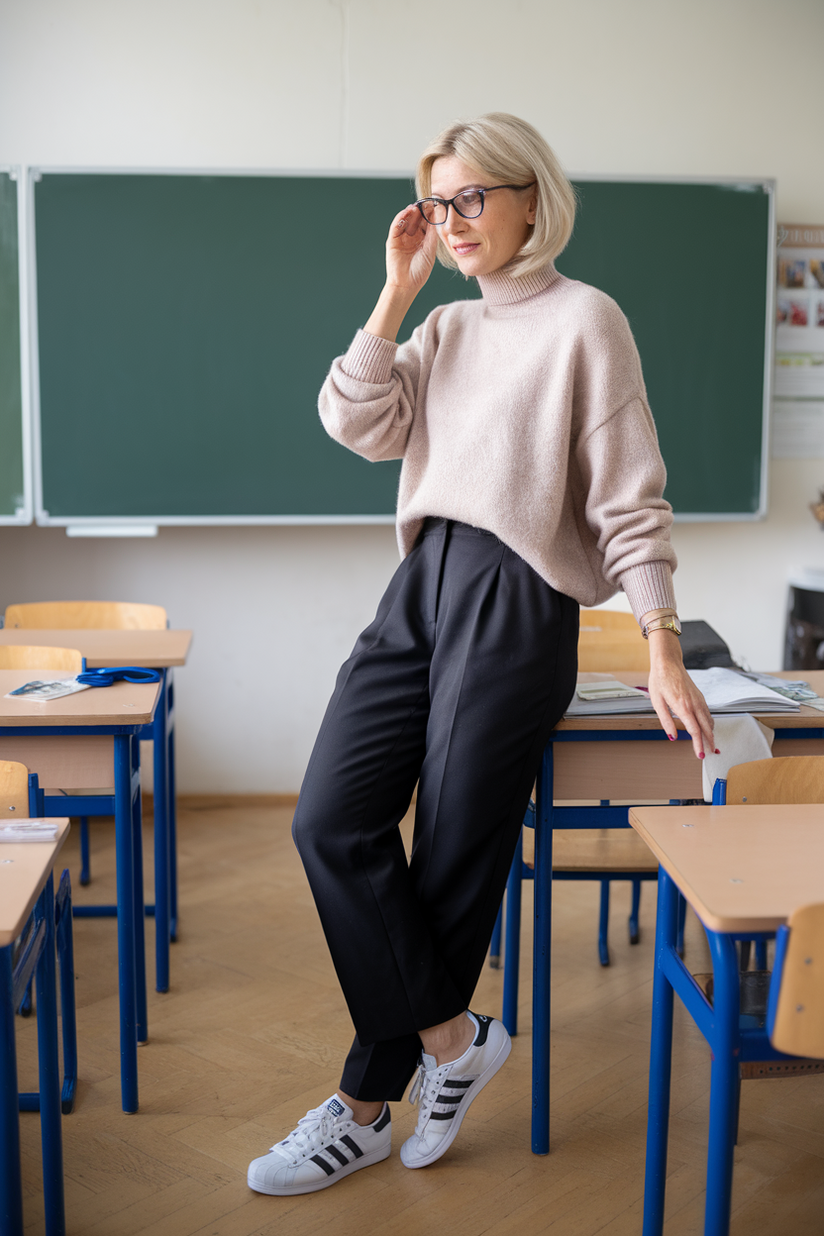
x=454 y=1084
x=327 y=1167
x=337 y=1154
x=443 y=1115
x=382 y=1120
x=353 y=1146
x=451 y=1098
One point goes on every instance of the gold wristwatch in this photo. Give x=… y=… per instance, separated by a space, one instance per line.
x=665 y=622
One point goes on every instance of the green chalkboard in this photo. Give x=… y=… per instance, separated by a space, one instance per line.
x=186 y=323
x=690 y=266
x=12 y=496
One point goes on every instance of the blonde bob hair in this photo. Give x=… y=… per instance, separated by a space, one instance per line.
x=509 y=151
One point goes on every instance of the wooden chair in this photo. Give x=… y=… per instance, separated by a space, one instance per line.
x=82 y=615
x=14 y=790
x=15 y=799
x=37 y=657
x=609 y=641
x=34 y=657
x=795 y=1015
x=87 y=615
x=783 y=779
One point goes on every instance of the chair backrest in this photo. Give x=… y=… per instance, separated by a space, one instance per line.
x=611 y=640
x=88 y=615
x=31 y=656
x=796 y=1016
x=784 y=779
x=14 y=790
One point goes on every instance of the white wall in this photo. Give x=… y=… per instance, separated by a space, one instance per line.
x=655 y=87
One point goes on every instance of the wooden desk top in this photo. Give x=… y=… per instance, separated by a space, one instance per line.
x=124 y=703
x=24 y=870
x=152 y=649
x=805 y=717
x=740 y=868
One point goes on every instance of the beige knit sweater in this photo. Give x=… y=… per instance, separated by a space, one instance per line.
x=523 y=413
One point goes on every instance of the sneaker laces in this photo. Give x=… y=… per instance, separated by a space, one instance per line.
x=313 y=1129
x=425 y=1091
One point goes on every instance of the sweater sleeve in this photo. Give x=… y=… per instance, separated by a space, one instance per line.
x=367 y=402
x=623 y=472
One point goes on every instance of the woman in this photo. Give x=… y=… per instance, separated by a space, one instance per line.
x=531 y=483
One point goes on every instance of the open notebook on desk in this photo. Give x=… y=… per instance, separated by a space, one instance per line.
x=724 y=690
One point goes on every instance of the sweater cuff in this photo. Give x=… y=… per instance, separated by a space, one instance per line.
x=369 y=358
x=649 y=586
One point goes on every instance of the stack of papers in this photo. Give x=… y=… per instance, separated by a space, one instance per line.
x=29 y=830
x=724 y=690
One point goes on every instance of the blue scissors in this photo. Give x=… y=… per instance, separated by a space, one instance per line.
x=104 y=677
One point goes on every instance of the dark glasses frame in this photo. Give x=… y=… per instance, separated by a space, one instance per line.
x=453 y=201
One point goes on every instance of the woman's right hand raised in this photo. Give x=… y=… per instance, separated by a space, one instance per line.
x=410 y=256
x=410 y=251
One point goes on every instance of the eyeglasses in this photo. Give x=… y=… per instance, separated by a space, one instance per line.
x=469 y=204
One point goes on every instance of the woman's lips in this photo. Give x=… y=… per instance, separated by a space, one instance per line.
x=462 y=250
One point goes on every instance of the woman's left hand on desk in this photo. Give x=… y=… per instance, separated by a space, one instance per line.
x=673 y=692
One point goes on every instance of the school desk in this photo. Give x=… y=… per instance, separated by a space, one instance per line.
x=26 y=878
x=85 y=741
x=160 y=650
x=743 y=870
x=618 y=759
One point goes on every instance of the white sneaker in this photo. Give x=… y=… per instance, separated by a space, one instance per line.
x=326 y=1146
x=444 y=1093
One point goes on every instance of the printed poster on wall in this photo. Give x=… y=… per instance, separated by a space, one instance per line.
x=798 y=382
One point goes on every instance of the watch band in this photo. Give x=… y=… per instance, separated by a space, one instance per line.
x=665 y=622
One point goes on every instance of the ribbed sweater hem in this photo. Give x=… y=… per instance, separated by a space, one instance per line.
x=649 y=586
x=370 y=358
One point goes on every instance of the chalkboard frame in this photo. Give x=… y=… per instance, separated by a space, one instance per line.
x=81 y=523
x=18 y=509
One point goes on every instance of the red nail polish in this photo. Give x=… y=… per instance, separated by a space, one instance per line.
x=671 y=737
x=701 y=755
x=717 y=752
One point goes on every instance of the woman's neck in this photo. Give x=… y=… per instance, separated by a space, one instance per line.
x=502 y=288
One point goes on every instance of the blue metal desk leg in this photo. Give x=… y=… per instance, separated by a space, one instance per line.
x=11 y=1192
x=660 y=1063
x=513 y=938
x=541 y=957
x=139 y=908
x=725 y=1047
x=161 y=840
x=172 y=800
x=126 y=934
x=49 y=1072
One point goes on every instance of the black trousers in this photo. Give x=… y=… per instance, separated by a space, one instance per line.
x=455 y=686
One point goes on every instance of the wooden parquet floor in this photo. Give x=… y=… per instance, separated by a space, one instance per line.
x=252 y=1034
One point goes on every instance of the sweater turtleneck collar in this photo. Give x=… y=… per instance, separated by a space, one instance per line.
x=501 y=288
